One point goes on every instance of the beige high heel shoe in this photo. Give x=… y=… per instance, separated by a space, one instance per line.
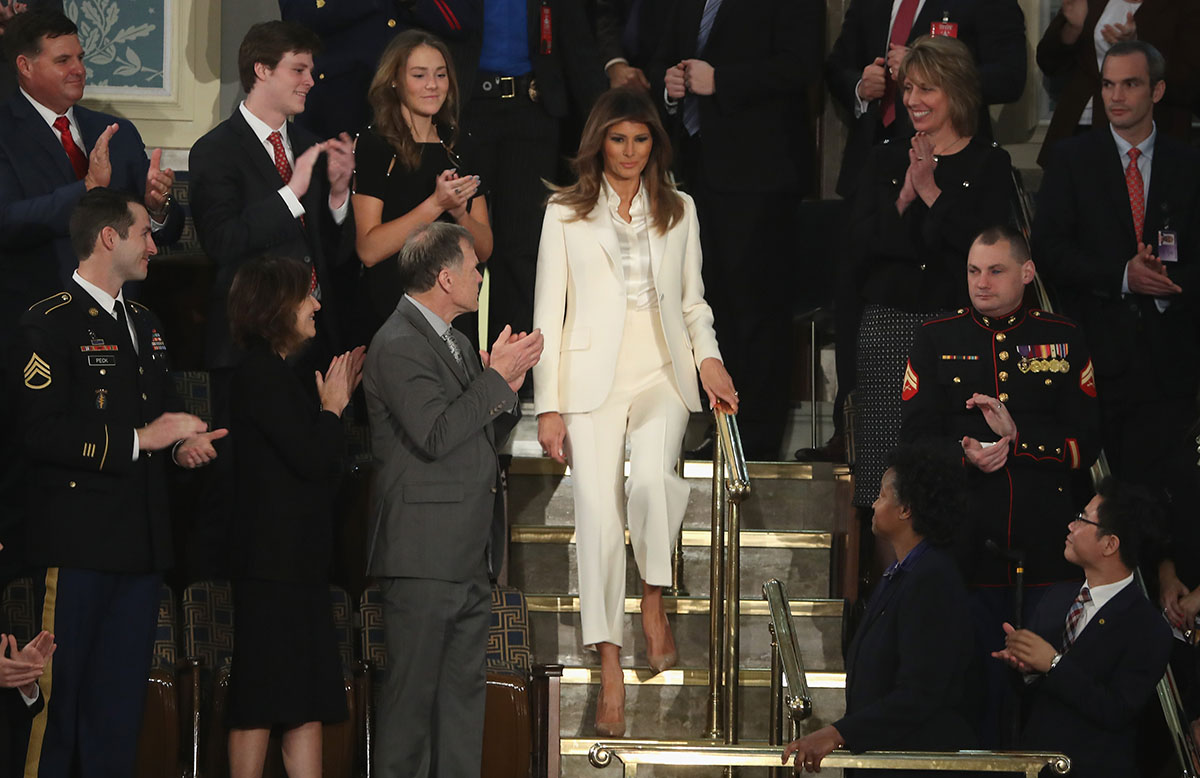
x=610 y=713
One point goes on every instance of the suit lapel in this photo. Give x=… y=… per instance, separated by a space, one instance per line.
x=1163 y=174
x=256 y=154
x=606 y=235
x=435 y=342
x=877 y=607
x=43 y=135
x=1099 y=627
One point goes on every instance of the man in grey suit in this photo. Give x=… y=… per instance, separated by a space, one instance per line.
x=438 y=414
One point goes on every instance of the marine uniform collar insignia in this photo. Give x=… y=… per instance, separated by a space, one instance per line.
x=999 y=323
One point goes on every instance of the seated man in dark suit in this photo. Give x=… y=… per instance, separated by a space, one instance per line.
x=1094 y=653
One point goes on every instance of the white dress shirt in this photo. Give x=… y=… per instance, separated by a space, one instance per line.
x=1100 y=597
x=106 y=302
x=634 y=239
x=263 y=131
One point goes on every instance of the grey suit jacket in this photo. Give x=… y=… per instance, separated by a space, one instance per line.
x=435 y=431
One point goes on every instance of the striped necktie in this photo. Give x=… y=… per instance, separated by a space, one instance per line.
x=1074 y=616
x=691 y=103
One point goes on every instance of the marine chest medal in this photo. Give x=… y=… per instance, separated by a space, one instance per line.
x=1023 y=362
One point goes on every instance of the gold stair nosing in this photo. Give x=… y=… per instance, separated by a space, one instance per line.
x=696 y=676
x=581 y=746
x=569 y=603
x=750 y=538
x=702 y=470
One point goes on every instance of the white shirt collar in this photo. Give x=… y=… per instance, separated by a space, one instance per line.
x=1102 y=594
x=261 y=129
x=1146 y=146
x=437 y=322
x=49 y=116
x=614 y=200
x=105 y=300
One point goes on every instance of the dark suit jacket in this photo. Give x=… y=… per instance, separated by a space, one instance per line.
x=239 y=215
x=90 y=505
x=353 y=36
x=288 y=454
x=1172 y=26
x=435 y=431
x=38 y=191
x=631 y=28
x=994 y=31
x=1087 y=706
x=909 y=675
x=754 y=128
x=571 y=74
x=1083 y=237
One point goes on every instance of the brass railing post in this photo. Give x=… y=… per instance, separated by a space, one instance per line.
x=733 y=608
x=716 y=594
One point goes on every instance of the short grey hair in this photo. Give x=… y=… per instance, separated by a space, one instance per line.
x=428 y=251
x=1154 y=58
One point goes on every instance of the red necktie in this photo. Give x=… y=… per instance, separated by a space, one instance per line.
x=79 y=160
x=900 y=31
x=285 y=172
x=1137 y=193
x=1074 y=616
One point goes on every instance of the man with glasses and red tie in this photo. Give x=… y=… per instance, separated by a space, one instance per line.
x=1093 y=654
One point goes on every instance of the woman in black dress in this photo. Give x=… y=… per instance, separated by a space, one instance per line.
x=920 y=203
x=410 y=169
x=288 y=445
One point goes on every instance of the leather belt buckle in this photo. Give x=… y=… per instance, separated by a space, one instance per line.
x=508 y=86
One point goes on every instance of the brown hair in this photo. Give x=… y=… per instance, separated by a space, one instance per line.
x=263 y=300
x=23 y=35
x=429 y=250
x=624 y=104
x=947 y=64
x=267 y=42
x=387 y=104
x=97 y=209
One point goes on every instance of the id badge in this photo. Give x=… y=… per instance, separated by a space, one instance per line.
x=1168 y=248
x=945 y=28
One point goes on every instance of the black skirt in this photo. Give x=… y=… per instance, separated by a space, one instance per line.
x=286 y=668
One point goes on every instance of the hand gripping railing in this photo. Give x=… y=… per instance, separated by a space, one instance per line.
x=786 y=663
x=1168 y=691
x=632 y=753
x=730 y=485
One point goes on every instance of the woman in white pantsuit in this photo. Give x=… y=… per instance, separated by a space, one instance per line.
x=620 y=302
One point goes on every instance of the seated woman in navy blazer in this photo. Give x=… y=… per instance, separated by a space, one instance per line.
x=620 y=301
x=911 y=674
x=288 y=452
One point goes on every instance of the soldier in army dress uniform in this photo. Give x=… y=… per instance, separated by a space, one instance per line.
x=94 y=398
x=1012 y=388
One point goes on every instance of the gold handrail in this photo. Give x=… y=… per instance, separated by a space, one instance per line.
x=632 y=753
x=731 y=485
x=785 y=652
x=1168 y=692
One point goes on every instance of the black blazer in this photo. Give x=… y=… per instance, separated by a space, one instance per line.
x=910 y=670
x=571 y=74
x=1172 y=26
x=994 y=31
x=1083 y=237
x=38 y=191
x=1087 y=706
x=239 y=215
x=90 y=505
x=755 y=126
x=288 y=455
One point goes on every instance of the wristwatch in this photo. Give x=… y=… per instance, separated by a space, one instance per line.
x=1054 y=662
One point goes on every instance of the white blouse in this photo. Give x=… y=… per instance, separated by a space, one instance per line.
x=634 y=239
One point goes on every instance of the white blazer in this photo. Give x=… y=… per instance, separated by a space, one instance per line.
x=579 y=303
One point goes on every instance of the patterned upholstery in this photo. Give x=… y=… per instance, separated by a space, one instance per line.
x=188 y=243
x=208 y=622
x=166 y=634
x=371 y=610
x=343 y=624
x=358 y=440
x=195 y=390
x=508 y=632
x=19 y=610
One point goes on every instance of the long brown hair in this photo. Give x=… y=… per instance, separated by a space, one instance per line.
x=386 y=102
x=624 y=104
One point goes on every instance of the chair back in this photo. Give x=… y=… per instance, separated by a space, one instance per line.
x=208 y=622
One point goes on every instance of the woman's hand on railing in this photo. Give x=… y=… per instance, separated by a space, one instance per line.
x=552 y=434
x=813 y=747
x=718 y=385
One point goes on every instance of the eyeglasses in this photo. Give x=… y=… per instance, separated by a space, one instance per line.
x=1080 y=517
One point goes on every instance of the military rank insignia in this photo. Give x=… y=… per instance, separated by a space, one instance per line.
x=37 y=372
x=1044 y=358
x=101 y=399
x=1087 y=379
x=911 y=382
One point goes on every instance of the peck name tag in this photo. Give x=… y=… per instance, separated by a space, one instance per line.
x=102 y=360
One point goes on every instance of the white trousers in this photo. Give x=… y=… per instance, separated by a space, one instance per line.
x=644 y=403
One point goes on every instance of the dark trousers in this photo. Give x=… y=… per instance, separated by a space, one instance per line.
x=516 y=147
x=746 y=240
x=95 y=684
x=432 y=698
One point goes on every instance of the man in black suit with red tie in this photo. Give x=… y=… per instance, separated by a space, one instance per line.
x=1092 y=654
x=734 y=76
x=1117 y=234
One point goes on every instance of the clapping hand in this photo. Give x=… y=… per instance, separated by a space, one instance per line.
x=921 y=164
x=452 y=192
x=339 y=166
x=197 y=450
x=20 y=669
x=1025 y=650
x=158 y=186
x=988 y=459
x=995 y=413
x=1147 y=274
x=99 y=167
x=513 y=355
x=340 y=380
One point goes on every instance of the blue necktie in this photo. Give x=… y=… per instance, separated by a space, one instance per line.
x=691 y=103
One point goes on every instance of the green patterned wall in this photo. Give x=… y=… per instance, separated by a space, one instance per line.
x=124 y=42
